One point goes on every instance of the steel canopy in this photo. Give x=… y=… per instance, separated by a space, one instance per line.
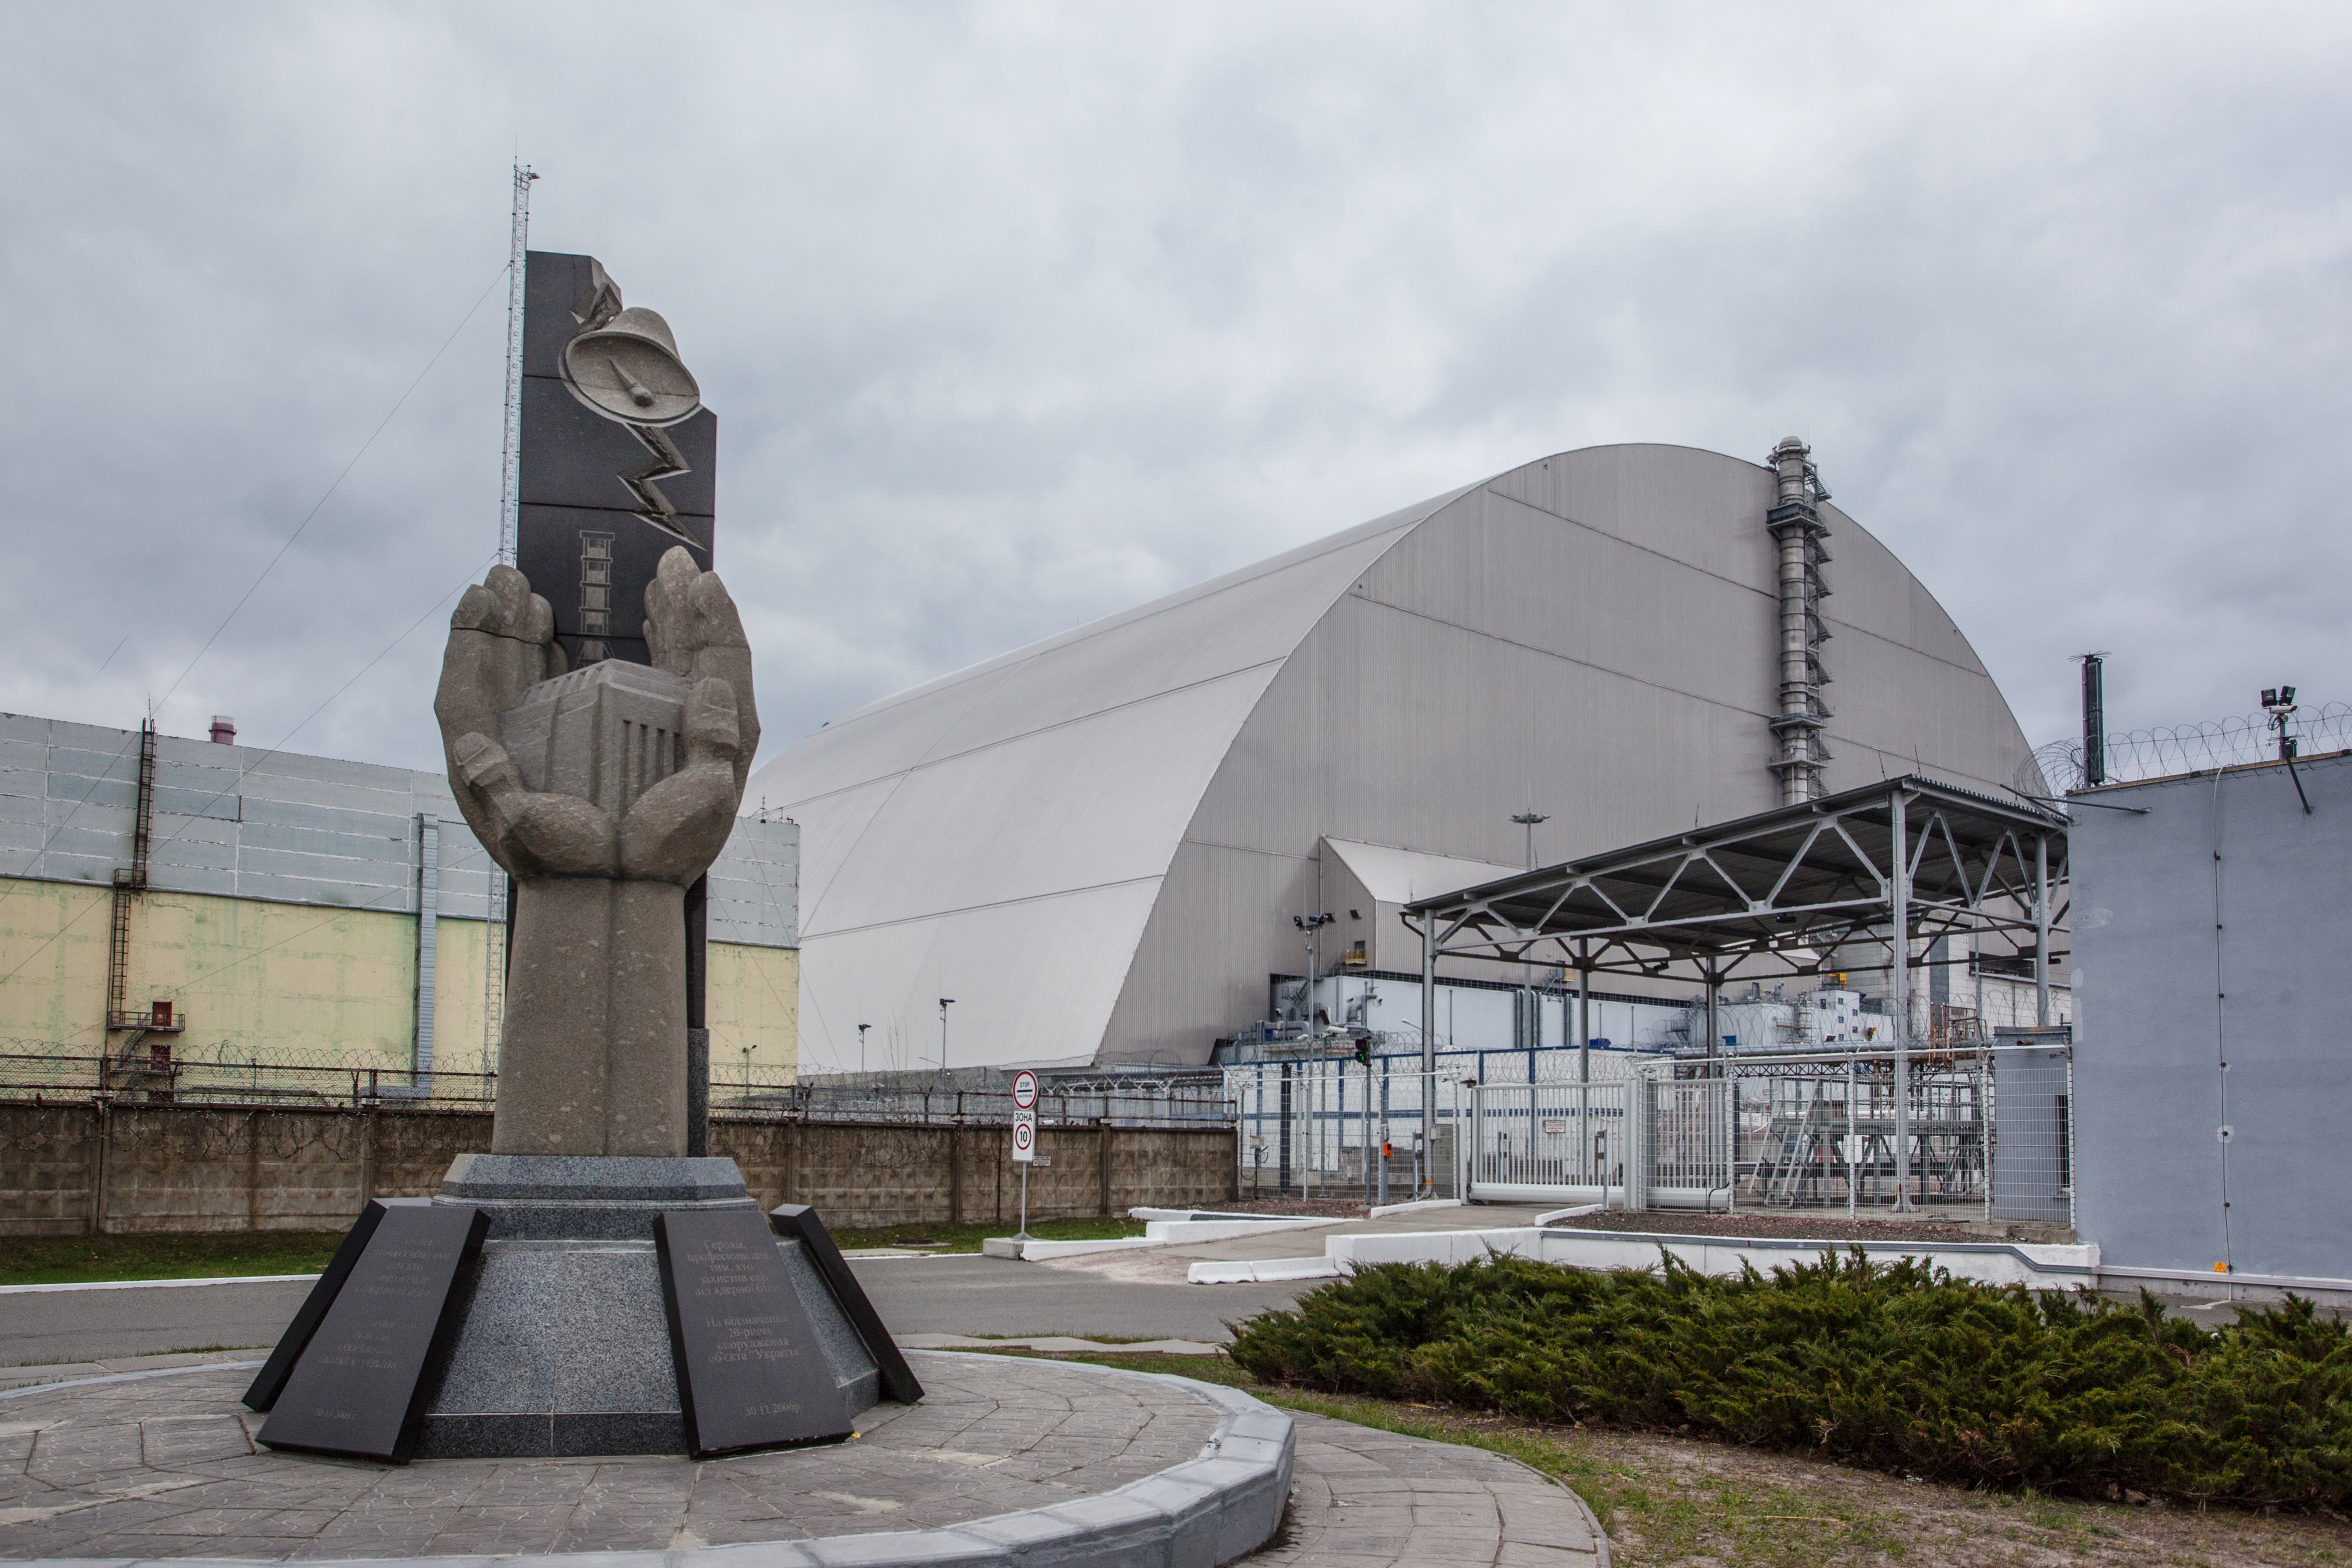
x=1777 y=893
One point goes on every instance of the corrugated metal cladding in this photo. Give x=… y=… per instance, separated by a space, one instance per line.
x=244 y=823
x=1097 y=843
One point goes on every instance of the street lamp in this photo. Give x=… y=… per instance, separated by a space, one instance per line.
x=945 y=1002
x=1528 y=819
x=1310 y=924
x=861 y=1049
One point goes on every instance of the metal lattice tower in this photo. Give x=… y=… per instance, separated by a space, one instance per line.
x=510 y=474
x=1795 y=524
x=493 y=925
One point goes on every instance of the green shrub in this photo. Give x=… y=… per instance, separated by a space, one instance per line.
x=1897 y=1367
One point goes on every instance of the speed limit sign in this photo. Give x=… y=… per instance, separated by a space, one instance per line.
x=1024 y=1117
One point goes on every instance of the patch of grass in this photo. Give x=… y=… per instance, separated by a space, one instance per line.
x=948 y=1238
x=80 y=1260
x=1896 y=1368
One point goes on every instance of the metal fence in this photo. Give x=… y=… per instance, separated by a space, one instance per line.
x=155 y=1079
x=1983 y=1131
x=2169 y=750
x=153 y=1076
x=1324 y=1128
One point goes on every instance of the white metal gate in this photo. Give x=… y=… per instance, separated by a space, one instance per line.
x=1638 y=1142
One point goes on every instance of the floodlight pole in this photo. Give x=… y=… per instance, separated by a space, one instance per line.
x=1534 y=1019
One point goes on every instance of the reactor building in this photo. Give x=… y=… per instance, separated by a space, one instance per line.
x=1110 y=848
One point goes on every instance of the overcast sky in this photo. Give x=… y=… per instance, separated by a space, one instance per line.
x=1016 y=316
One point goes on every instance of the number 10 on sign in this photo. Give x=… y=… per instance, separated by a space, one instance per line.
x=1024 y=1137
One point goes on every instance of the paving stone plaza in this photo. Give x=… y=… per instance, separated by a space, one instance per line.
x=163 y=1465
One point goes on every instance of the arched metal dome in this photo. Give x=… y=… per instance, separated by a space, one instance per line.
x=1097 y=843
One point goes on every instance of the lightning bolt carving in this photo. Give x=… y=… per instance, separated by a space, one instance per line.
x=644 y=482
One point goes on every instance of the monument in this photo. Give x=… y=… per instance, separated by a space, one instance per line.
x=592 y=1284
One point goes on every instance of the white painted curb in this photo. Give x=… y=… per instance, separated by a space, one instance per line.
x=1987 y=1262
x=1156 y=1233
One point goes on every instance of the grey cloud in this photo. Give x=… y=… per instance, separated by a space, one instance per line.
x=1017 y=315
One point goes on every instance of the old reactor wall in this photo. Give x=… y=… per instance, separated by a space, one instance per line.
x=283 y=914
x=1098 y=845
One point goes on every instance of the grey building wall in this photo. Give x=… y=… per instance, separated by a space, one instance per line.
x=242 y=822
x=2211 y=939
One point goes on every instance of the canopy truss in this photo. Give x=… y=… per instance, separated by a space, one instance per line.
x=1775 y=894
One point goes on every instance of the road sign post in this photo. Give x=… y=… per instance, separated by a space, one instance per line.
x=1024 y=1137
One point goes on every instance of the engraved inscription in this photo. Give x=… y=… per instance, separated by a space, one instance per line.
x=749 y=1371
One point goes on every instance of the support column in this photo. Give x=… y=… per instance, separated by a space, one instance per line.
x=1428 y=1052
x=1584 y=1063
x=1899 y=947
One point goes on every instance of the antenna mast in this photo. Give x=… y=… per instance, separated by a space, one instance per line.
x=510 y=474
x=494 y=924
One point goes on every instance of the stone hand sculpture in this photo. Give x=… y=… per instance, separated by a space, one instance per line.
x=605 y=792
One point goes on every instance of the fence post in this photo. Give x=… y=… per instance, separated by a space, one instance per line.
x=2074 y=1172
x=955 y=1174
x=1103 y=1159
x=1641 y=1136
x=1984 y=1122
x=1852 y=1144
x=101 y=1130
x=367 y=1157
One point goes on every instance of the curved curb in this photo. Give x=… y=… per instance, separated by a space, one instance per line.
x=1225 y=1500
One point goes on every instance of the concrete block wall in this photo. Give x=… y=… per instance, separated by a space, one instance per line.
x=71 y=1169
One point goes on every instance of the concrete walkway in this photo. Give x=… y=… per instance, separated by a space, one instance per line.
x=1168 y=1265
x=1361 y=1498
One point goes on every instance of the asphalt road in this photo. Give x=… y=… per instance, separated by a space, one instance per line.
x=958 y=1295
x=969 y=1295
x=100 y=1325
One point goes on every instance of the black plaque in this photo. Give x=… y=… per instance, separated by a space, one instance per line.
x=271 y=1380
x=750 y=1374
x=800 y=1222
x=359 y=1388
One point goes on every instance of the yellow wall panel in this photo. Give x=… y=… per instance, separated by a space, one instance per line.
x=457 y=997
x=53 y=953
x=282 y=982
x=751 y=1000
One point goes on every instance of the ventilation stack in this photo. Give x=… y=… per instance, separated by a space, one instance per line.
x=1795 y=524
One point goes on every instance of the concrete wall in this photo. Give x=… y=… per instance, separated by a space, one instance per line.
x=66 y=1169
x=2210 y=991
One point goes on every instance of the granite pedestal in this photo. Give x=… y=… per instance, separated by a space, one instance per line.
x=563 y=1346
